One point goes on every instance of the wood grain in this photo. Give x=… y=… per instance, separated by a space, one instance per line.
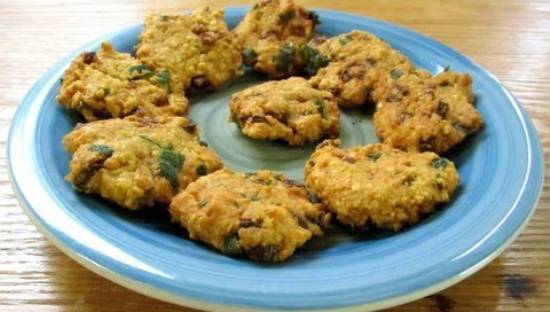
x=510 y=38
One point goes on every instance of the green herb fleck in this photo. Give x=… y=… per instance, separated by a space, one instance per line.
x=313 y=59
x=320 y=107
x=141 y=71
x=344 y=40
x=170 y=163
x=102 y=149
x=201 y=170
x=163 y=79
x=150 y=141
x=440 y=163
x=249 y=174
x=396 y=73
x=249 y=56
x=283 y=60
x=231 y=245
x=106 y=91
x=254 y=197
x=447 y=68
x=61 y=80
x=374 y=156
x=202 y=203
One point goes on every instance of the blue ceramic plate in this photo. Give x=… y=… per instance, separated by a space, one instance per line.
x=501 y=169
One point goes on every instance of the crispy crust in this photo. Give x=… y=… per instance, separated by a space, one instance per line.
x=106 y=85
x=263 y=216
x=289 y=110
x=198 y=49
x=125 y=160
x=379 y=185
x=421 y=113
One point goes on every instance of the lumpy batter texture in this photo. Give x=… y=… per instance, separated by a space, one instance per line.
x=289 y=110
x=198 y=49
x=262 y=215
x=137 y=162
x=377 y=185
x=110 y=84
x=421 y=113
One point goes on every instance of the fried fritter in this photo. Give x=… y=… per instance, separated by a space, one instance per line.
x=262 y=215
x=421 y=113
x=110 y=84
x=377 y=185
x=289 y=110
x=137 y=162
x=198 y=49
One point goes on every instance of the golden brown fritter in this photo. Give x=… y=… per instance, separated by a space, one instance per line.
x=379 y=185
x=137 y=162
x=419 y=113
x=289 y=110
x=198 y=49
x=262 y=215
x=109 y=84
x=271 y=35
x=359 y=61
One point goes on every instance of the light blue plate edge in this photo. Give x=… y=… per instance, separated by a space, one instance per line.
x=520 y=214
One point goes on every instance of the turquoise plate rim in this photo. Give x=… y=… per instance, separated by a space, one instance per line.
x=521 y=211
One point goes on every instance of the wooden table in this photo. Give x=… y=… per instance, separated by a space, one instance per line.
x=510 y=38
